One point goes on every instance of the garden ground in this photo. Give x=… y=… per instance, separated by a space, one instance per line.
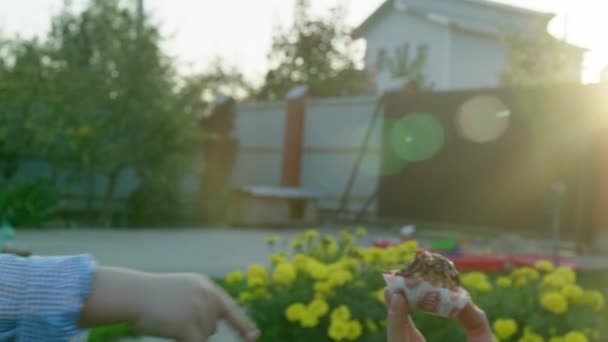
x=213 y=251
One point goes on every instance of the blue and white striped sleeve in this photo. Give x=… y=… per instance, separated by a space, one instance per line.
x=41 y=297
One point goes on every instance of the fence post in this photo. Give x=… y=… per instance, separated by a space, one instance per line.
x=220 y=155
x=600 y=214
x=294 y=136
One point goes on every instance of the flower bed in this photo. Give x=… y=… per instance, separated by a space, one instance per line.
x=326 y=288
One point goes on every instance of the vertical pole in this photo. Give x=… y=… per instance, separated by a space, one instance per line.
x=294 y=137
x=558 y=194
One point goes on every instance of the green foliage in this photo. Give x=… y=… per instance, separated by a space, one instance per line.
x=404 y=64
x=112 y=333
x=99 y=91
x=318 y=52
x=28 y=203
x=538 y=58
x=296 y=298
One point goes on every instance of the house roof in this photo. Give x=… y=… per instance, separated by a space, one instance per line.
x=479 y=28
x=387 y=6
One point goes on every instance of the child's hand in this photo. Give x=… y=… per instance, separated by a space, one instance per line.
x=188 y=307
x=185 y=307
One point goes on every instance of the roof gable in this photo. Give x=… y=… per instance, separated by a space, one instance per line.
x=432 y=9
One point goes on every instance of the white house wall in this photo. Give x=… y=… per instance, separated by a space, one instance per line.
x=399 y=28
x=476 y=62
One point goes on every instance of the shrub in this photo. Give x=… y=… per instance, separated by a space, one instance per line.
x=328 y=288
x=28 y=204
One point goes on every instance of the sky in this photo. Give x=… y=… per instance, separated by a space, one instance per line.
x=240 y=31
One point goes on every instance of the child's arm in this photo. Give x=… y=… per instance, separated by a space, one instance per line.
x=185 y=307
x=51 y=298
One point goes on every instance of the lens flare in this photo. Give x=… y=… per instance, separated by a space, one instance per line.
x=482 y=119
x=416 y=137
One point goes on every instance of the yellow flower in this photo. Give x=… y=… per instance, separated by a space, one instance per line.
x=318 y=307
x=529 y=273
x=341 y=313
x=284 y=273
x=554 y=302
x=484 y=286
x=346 y=237
x=410 y=245
x=361 y=231
x=340 y=277
x=379 y=295
x=520 y=281
x=271 y=240
x=575 y=336
x=505 y=328
x=300 y=261
x=234 y=277
x=256 y=270
x=328 y=246
x=295 y=312
x=354 y=330
x=573 y=293
x=477 y=281
x=567 y=273
x=373 y=255
x=471 y=279
x=256 y=281
x=593 y=298
x=297 y=243
x=260 y=293
x=503 y=282
x=553 y=281
x=338 y=330
x=317 y=269
x=544 y=265
x=371 y=325
x=529 y=336
x=310 y=235
x=244 y=297
x=348 y=263
x=322 y=287
x=277 y=258
x=309 y=320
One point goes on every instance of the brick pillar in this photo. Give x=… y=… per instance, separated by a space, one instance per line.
x=294 y=136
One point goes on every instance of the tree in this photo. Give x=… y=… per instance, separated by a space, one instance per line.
x=219 y=78
x=318 y=52
x=538 y=58
x=403 y=64
x=104 y=95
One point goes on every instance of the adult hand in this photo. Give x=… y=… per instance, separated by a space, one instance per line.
x=401 y=328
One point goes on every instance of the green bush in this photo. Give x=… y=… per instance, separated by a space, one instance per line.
x=328 y=289
x=28 y=203
x=111 y=333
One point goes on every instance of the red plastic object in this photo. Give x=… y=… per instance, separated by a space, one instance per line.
x=483 y=263
x=529 y=260
x=381 y=243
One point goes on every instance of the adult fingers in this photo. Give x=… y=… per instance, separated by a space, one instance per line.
x=235 y=317
x=397 y=318
x=475 y=324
